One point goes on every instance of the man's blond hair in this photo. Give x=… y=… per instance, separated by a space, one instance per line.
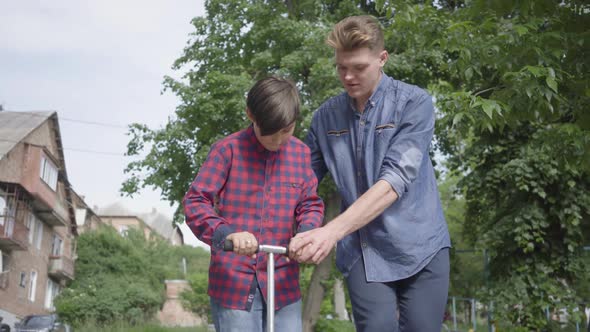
x=356 y=32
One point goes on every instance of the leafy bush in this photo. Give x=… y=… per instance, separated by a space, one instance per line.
x=196 y=299
x=333 y=325
x=121 y=278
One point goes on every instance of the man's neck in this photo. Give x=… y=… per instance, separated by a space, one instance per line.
x=361 y=102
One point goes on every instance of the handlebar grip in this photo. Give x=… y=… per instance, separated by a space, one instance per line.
x=228 y=245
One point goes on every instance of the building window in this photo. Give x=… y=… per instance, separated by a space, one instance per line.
x=35 y=227
x=7 y=211
x=56 y=245
x=30 y=223
x=2 y=209
x=38 y=233
x=23 y=280
x=32 y=286
x=49 y=173
x=123 y=230
x=52 y=291
x=4 y=261
x=4 y=270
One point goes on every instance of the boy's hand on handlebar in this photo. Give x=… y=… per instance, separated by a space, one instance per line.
x=245 y=243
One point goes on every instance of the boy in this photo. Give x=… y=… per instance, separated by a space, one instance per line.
x=256 y=186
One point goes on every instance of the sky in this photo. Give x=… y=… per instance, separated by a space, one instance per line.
x=100 y=64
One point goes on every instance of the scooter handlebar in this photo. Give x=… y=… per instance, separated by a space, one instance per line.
x=228 y=245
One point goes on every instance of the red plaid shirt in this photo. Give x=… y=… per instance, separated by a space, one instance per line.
x=269 y=194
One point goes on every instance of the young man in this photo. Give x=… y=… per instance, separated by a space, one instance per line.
x=392 y=237
x=256 y=186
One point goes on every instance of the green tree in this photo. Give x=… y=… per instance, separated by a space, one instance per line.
x=511 y=85
x=510 y=80
x=233 y=45
x=122 y=278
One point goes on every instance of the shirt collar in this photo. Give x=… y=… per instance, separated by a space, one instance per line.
x=259 y=148
x=376 y=96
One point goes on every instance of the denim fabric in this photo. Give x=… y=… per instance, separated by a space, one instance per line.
x=419 y=301
x=389 y=141
x=287 y=319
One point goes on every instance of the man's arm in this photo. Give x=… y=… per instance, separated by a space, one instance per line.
x=313 y=246
x=309 y=212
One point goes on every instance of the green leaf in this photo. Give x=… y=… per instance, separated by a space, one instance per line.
x=551 y=83
x=469 y=73
x=536 y=71
x=488 y=107
x=457 y=118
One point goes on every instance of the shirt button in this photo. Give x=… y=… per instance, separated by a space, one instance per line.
x=364 y=244
x=362 y=122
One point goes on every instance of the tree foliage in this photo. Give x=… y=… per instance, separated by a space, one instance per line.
x=122 y=278
x=510 y=80
x=511 y=84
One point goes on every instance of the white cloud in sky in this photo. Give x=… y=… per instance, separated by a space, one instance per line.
x=95 y=60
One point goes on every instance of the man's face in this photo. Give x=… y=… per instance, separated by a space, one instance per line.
x=360 y=71
x=275 y=141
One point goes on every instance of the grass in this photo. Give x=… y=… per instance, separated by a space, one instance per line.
x=121 y=327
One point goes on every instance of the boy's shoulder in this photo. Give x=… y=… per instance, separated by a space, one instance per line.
x=233 y=140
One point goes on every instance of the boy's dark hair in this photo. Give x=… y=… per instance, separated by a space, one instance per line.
x=274 y=104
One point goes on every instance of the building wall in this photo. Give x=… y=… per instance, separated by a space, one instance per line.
x=11 y=166
x=20 y=165
x=14 y=299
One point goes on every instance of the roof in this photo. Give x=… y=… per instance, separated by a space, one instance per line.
x=154 y=219
x=15 y=126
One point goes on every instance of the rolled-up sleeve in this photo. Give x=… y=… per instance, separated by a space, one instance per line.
x=408 y=146
x=199 y=201
x=317 y=160
x=309 y=212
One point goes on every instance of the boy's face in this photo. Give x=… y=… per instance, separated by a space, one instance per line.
x=275 y=141
x=360 y=71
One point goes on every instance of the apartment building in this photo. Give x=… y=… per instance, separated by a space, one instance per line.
x=37 y=217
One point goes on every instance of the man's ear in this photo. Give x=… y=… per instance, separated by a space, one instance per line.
x=383 y=56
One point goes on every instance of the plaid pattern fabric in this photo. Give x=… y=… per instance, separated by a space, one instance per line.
x=243 y=187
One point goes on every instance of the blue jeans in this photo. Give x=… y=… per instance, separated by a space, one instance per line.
x=413 y=304
x=287 y=319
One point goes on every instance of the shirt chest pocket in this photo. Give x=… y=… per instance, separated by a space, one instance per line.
x=383 y=136
x=340 y=144
x=384 y=132
x=286 y=197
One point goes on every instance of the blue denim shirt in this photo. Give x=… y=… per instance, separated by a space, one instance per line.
x=388 y=141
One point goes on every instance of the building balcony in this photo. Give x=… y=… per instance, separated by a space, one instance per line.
x=55 y=214
x=13 y=235
x=61 y=267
